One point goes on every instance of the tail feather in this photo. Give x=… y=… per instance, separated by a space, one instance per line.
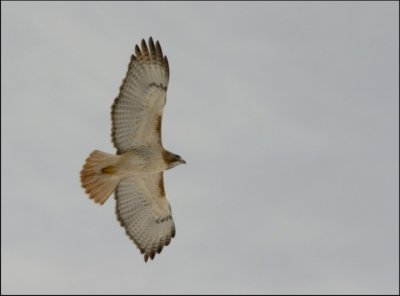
x=98 y=184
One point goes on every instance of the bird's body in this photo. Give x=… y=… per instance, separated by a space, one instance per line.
x=135 y=173
x=141 y=160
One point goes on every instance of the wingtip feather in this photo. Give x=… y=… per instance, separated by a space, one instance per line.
x=137 y=51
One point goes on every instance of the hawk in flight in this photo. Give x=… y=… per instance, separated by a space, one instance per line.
x=135 y=173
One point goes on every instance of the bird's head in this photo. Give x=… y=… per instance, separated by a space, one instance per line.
x=172 y=160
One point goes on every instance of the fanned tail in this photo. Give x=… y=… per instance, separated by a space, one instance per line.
x=98 y=176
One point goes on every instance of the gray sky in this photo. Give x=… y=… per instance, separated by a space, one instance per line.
x=286 y=113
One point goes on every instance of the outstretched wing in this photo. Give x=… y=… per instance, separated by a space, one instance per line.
x=137 y=111
x=145 y=213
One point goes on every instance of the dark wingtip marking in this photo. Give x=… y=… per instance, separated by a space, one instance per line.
x=145 y=50
x=152 y=47
x=159 y=51
x=166 y=66
x=137 y=51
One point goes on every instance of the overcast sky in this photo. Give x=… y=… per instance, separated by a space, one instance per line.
x=286 y=113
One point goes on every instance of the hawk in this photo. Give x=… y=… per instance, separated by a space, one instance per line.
x=135 y=173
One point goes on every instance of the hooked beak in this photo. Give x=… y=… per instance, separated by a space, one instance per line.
x=183 y=161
